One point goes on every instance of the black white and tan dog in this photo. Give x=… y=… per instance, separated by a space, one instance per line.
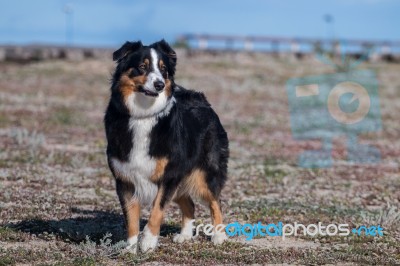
x=165 y=143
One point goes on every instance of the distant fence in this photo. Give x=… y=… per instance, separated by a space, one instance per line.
x=387 y=50
x=300 y=47
x=29 y=53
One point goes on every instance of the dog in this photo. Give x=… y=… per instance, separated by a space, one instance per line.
x=165 y=143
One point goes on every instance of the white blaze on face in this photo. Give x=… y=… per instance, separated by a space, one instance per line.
x=141 y=105
x=154 y=75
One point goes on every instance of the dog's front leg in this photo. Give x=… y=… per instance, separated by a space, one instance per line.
x=131 y=209
x=152 y=230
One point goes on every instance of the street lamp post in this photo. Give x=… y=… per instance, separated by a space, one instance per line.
x=329 y=20
x=69 y=26
x=330 y=34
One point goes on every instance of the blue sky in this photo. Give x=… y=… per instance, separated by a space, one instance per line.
x=109 y=23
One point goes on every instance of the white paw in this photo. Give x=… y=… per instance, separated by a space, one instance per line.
x=180 y=238
x=148 y=241
x=186 y=232
x=132 y=244
x=218 y=238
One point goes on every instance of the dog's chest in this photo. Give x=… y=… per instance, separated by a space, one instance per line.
x=139 y=159
x=140 y=166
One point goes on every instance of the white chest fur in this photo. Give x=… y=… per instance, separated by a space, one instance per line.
x=140 y=165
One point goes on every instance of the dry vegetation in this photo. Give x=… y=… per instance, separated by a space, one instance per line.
x=57 y=200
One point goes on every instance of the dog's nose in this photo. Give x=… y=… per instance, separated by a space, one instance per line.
x=159 y=85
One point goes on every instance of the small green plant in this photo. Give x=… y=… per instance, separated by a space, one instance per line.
x=6 y=260
x=63 y=116
x=105 y=248
x=23 y=137
x=274 y=174
x=388 y=218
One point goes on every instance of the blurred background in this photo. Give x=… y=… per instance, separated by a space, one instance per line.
x=57 y=196
x=110 y=23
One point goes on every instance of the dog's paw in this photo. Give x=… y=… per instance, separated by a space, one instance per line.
x=180 y=238
x=132 y=245
x=149 y=241
x=218 y=238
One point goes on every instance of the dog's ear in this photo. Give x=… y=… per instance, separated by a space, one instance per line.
x=164 y=47
x=125 y=49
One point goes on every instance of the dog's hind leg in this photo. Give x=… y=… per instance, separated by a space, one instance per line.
x=187 y=207
x=216 y=215
x=209 y=189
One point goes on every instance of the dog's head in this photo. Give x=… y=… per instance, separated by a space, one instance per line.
x=144 y=76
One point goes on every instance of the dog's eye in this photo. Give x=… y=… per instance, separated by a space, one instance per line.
x=142 y=67
x=163 y=69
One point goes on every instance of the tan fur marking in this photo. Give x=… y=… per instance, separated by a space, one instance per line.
x=168 y=88
x=195 y=184
x=187 y=208
x=132 y=218
x=146 y=61
x=129 y=85
x=139 y=80
x=156 y=215
x=216 y=214
x=126 y=85
x=159 y=171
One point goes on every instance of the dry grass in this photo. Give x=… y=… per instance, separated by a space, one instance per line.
x=58 y=205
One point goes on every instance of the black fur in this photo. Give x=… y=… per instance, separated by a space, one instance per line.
x=190 y=136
